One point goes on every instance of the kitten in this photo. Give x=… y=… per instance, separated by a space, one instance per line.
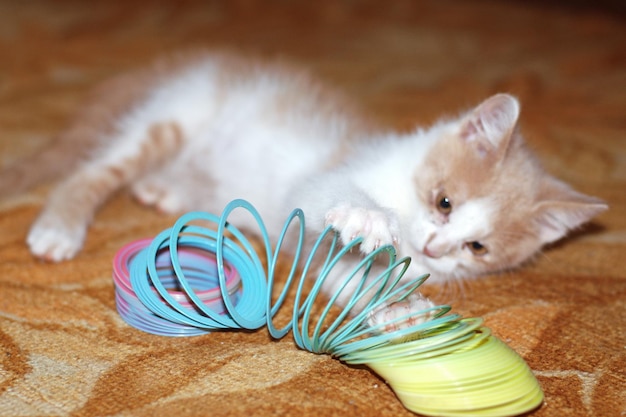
x=462 y=198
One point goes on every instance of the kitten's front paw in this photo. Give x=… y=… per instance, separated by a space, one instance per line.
x=54 y=239
x=376 y=227
x=397 y=315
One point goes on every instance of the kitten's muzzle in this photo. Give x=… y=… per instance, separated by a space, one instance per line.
x=432 y=253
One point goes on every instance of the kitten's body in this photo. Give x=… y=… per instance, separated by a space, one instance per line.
x=463 y=198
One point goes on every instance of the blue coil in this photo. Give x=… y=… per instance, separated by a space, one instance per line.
x=192 y=279
x=157 y=267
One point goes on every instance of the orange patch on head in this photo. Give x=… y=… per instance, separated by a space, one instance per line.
x=480 y=161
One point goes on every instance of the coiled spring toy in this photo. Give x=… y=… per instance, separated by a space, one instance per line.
x=191 y=279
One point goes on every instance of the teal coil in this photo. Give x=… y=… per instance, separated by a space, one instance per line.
x=196 y=278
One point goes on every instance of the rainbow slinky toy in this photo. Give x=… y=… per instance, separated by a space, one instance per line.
x=192 y=279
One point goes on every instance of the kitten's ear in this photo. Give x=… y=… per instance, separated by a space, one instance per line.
x=490 y=125
x=561 y=209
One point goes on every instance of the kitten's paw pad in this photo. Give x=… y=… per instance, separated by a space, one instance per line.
x=54 y=241
x=161 y=196
x=376 y=227
x=397 y=315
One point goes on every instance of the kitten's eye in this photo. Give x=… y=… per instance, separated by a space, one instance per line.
x=476 y=248
x=444 y=205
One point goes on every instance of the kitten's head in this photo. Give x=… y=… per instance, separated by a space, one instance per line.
x=486 y=203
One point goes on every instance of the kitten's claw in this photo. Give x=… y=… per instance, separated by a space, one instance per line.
x=54 y=241
x=376 y=227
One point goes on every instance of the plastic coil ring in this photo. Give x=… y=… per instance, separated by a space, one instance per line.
x=192 y=279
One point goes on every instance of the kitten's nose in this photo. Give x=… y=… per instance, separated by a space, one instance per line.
x=431 y=253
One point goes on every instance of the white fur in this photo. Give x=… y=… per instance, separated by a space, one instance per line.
x=244 y=140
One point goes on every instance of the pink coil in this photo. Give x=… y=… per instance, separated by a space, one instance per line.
x=207 y=288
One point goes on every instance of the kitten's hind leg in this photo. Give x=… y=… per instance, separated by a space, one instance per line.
x=178 y=187
x=185 y=184
x=160 y=192
x=59 y=231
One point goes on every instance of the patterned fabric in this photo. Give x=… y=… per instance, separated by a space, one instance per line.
x=64 y=351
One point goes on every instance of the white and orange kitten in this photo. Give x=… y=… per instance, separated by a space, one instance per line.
x=462 y=198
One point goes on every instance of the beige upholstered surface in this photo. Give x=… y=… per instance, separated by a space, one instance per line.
x=65 y=352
